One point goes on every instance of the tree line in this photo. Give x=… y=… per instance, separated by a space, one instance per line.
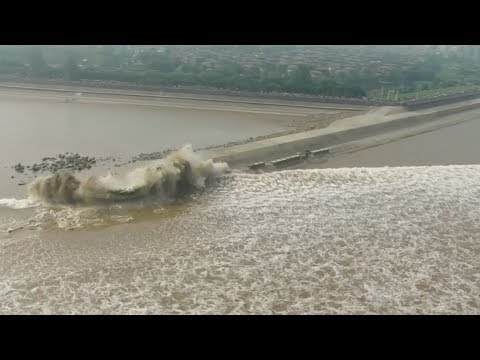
x=151 y=67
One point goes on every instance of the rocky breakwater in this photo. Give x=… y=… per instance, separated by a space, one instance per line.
x=67 y=161
x=151 y=156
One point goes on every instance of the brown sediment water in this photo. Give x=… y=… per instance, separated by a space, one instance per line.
x=453 y=145
x=31 y=126
x=363 y=240
x=400 y=240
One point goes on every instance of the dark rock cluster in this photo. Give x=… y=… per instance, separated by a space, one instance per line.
x=68 y=161
x=152 y=156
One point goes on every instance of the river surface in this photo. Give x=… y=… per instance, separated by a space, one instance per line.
x=31 y=128
x=452 y=145
x=353 y=237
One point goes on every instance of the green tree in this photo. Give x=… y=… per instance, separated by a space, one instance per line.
x=38 y=66
x=254 y=71
x=300 y=78
x=70 y=69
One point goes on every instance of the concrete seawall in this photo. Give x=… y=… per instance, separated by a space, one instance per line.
x=340 y=132
x=185 y=96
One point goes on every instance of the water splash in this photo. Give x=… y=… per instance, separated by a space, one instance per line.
x=178 y=174
x=18 y=203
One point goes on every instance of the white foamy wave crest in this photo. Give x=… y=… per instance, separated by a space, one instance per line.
x=329 y=241
x=18 y=203
x=178 y=174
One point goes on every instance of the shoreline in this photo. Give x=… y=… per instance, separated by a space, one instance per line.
x=107 y=85
x=24 y=88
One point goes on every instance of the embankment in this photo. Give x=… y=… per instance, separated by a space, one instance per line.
x=181 y=90
x=441 y=100
x=341 y=132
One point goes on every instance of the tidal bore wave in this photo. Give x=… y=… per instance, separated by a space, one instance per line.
x=401 y=240
x=178 y=174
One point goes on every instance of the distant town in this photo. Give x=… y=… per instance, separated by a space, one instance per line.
x=369 y=72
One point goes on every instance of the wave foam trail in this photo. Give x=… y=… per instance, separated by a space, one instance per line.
x=178 y=174
x=17 y=203
x=397 y=240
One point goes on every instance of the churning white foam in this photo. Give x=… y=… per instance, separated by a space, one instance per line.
x=361 y=241
x=18 y=203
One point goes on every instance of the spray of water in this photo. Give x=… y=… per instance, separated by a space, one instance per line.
x=178 y=174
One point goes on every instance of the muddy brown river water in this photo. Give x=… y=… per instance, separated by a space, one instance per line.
x=350 y=237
